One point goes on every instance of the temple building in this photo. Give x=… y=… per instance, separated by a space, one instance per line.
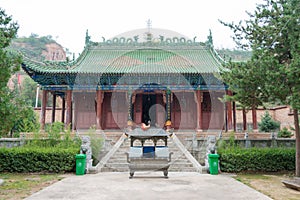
x=156 y=77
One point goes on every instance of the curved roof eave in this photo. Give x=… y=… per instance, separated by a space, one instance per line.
x=202 y=60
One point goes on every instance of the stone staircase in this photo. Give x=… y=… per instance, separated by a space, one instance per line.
x=116 y=161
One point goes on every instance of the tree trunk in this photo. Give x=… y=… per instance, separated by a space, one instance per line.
x=297 y=132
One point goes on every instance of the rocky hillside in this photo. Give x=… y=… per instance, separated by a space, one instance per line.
x=40 y=48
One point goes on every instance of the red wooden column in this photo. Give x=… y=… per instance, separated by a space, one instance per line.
x=63 y=109
x=199 y=99
x=44 y=106
x=234 y=116
x=99 y=94
x=244 y=120
x=68 y=108
x=254 y=118
x=168 y=100
x=129 y=100
x=229 y=111
x=53 y=107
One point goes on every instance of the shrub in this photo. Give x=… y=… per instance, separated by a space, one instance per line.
x=96 y=144
x=54 y=131
x=267 y=124
x=257 y=159
x=55 y=138
x=227 y=144
x=284 y=133
x=55 y=153
x=23 y=160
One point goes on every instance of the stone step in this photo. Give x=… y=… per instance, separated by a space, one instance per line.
x=121 y=164
x=175 y=155
x=171 y=169
x=107 y=169
x=181 y=165
x=116 y=165
x=124 y=168
x=118 y=161
x=121 y=153
x=112 y=168
x=122 y=156
x=124 y=159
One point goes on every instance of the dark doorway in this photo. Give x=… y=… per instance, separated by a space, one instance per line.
x=149 y=109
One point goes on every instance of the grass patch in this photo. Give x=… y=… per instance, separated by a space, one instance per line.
x=253 y=176
x=19 y=186
x=270 y=184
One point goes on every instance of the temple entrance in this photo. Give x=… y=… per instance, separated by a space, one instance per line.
x=149 y=109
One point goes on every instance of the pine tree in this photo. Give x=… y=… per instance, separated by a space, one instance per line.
x=273 y=34
x=267 y=124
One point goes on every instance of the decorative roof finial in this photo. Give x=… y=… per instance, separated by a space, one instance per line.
x=210 y=39
x=87 y=37
x=136 y=38
x=149 y=24
x=149 y=34
x=161 y=37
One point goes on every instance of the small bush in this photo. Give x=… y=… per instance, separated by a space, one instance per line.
x=27 y=121
x=284 y=133
x=96 y=144
x=267 y=124
x=24 y=160
x=55 y=138
x=257 y=159
x=227 y=144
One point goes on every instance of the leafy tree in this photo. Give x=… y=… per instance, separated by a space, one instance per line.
x=268 y=124
x=26 y=120
x=9 y=63
x=7 y=111
x=273 y=34
x=22 y=118
x=28 y=91
x=245 y=80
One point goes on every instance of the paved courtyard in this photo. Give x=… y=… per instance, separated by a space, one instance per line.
x=148 y=185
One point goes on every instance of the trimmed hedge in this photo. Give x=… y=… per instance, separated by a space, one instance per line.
x=37 y=159
x=257 y=159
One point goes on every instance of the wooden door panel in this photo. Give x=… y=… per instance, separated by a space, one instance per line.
x=138 y=109
x=205 y=120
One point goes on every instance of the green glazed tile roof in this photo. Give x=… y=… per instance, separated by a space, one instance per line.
x=136 y=58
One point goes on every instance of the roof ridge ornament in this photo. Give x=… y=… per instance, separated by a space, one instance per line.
x=136 y=38
x=209 y=41
x=149 y=35
x=149 y=24
x=87 y=37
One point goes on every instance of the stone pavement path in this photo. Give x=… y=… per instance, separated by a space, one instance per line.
x=148 y=186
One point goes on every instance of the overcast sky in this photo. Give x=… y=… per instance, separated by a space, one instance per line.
x=68 y=20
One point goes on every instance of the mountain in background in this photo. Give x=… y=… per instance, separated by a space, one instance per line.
x=46 y=48
x=39 y=48
x=234 y=55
